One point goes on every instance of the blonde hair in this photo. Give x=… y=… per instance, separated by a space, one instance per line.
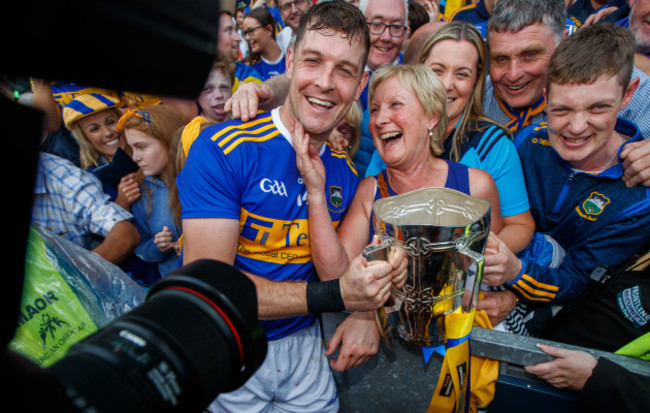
x=88 y=155
x=473 y=112
x=183 y=138
x=427 y=88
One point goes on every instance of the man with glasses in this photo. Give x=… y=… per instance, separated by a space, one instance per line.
x=292 y=11
x=387 y=21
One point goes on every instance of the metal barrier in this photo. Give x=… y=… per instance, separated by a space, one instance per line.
x=401 y=381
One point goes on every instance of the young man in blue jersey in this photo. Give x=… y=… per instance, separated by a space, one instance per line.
x=521 y=37
x=245 y=203
x=573 y=169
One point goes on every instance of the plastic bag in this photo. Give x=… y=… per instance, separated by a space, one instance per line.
x=68 y=294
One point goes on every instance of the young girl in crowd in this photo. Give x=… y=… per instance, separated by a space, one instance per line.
x=150 y=133
x=264 y=54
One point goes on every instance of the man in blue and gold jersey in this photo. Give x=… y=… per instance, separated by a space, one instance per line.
x=244 y=202
x=573 y=168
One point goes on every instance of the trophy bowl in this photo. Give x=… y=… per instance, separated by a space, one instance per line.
x=444 y=233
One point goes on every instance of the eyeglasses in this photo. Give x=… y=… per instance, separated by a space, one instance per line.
x=377 y=28
x=287 y=6
x=249 y=32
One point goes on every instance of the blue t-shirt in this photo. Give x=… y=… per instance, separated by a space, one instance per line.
x=267 y=69
x=247 y=171
x=245 y=73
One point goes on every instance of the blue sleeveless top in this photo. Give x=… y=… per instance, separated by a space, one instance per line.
x=457 y=178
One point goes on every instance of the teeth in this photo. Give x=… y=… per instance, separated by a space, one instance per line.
x=382 y=49
x=320 y=102
x=390 y=135
x=517 y=87
x=576 y=140
x=112 y=143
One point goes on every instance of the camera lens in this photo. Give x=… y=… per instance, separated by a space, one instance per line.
x=195 y=336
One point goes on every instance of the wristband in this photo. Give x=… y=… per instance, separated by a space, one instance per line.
x=324 y=297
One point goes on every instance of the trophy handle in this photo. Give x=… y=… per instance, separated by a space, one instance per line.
x=472 y=263
x=376 y=253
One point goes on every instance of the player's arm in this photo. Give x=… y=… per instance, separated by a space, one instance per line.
x=362 y=287
x=216 y=238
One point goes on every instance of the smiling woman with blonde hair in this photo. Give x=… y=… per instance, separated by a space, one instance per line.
x=456 y=53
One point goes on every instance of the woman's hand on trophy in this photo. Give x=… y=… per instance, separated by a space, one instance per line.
x=399 y=263
x=365 y=286
x=309 y=163
x=501 y=264
x=356 y=339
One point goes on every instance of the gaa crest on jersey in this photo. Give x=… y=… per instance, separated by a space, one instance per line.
x=336 y=196
x=595 y=204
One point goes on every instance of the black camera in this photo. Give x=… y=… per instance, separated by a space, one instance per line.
x=195 y=336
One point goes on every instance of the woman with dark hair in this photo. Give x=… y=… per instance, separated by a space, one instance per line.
x=264 y=54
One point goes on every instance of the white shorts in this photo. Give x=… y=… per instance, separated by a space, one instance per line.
x=294 y=377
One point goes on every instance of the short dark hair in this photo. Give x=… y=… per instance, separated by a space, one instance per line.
x=418 y=16
x=337 y=15
x=590 y=52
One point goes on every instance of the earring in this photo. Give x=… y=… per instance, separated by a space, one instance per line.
x=430 y=133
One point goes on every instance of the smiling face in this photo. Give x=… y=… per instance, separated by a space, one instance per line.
x=292 y=11
x=239 y=18
x=257 y=38
x=581 y=120
x=518 y=64
x=385 y=48
x=326 y=75
x=228 y=42
x=456 y=65
x=148 y=152
x=399 y=125
x=100 y=129
x=216 y=91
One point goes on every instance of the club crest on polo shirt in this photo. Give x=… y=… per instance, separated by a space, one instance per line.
x=592 y=206
x=336 y=196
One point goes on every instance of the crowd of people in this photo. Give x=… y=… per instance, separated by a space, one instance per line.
x=314 y=110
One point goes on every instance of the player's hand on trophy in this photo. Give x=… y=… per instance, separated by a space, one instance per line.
x=365 y=286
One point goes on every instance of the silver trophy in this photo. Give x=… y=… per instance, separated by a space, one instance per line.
x=444 y=233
